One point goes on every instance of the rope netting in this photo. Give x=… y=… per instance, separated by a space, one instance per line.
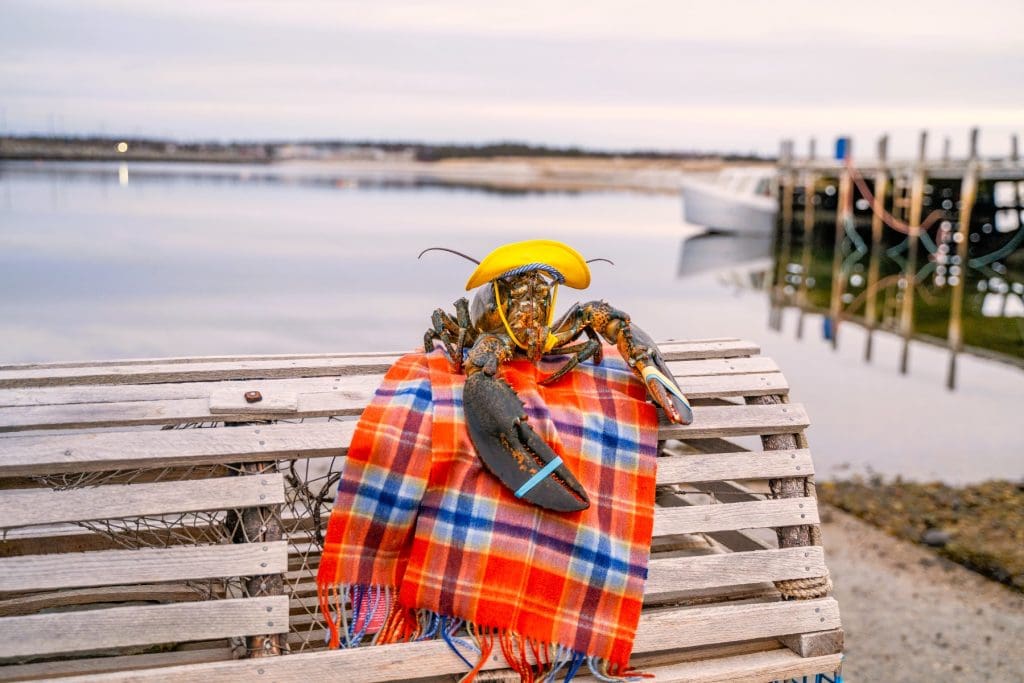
x=301 y=521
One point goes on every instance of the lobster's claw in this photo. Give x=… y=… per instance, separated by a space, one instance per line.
x=513 y=452
x=661 y=385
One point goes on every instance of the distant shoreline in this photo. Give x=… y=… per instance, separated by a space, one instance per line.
x=502 y=166
x=516 y=174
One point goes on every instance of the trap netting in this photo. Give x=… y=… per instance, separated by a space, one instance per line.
x=301 y=521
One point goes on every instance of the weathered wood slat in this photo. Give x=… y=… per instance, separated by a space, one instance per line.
x=123 y=626
x=285 y=367
x=161 y=592
x=755 y=667
x=114 y=567
x=273 y=356
x=684 y=469
x=97 y=665
x=669 y=575
x=662 y=630
x=350 y=399
x=25 y=507
x=120 y=393
x=733 y=516
x=41 y=454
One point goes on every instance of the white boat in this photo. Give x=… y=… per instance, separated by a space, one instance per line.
x=739 y=200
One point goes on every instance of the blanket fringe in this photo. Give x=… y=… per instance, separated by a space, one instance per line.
x=354 y=611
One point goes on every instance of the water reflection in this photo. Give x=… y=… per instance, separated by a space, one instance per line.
x=716 y=251
x=861 y=276
x=303 y=174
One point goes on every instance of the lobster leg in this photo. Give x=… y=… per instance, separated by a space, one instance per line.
x=580 y=352
x=642 y=354
x=505 y=442
x=444 y=327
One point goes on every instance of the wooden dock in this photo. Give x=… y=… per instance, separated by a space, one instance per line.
x=913 y=246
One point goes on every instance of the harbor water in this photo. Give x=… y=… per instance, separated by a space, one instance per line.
x=101 y=261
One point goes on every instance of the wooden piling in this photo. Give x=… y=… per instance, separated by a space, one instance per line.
x=786 y=183
x=844 y=212
x=874 y=264
x=968 y=193
x=810 y=183
x=913 y=237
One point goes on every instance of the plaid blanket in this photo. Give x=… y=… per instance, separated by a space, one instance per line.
x=424 y=543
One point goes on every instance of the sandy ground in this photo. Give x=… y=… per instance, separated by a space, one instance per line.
x=910 y=615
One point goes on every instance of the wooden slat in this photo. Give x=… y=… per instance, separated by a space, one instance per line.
x=657 y=631
x=41 y=454
x=114 y=567
x=756 y=667
x=732 y=516
x=668 y=576
x=685 y=468
x=350 y=399
x=732 y=569
x=273 y=356
x=47 y=600
x=285 y=367
x=25 y=507
x=96 y=665
x=122 y=626
x=121 y=393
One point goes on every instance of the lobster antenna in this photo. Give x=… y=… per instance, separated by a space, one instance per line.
x=450 y=251
x=601 y=259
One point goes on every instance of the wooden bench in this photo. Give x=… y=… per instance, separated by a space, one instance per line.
x=138 y=543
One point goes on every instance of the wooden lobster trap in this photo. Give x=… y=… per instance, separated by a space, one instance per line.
x=157 y=526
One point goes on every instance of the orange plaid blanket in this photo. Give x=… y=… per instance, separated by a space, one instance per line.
x=424 y=543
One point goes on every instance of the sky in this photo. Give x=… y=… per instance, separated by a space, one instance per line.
x=670 y=75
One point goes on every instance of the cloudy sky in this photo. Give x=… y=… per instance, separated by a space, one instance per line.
x=721 y=75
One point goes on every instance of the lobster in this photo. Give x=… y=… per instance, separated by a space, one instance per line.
x=512 y=315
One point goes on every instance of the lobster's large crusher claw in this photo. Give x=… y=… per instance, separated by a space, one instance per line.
x=514 y=453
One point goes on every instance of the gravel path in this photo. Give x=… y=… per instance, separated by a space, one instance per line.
x=910 y=615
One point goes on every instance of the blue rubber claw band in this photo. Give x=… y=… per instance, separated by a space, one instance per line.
x=539 y=477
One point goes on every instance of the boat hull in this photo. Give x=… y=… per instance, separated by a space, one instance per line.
x=724 y=211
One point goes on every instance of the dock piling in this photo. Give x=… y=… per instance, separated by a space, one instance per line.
x=913 y=237
x=968 y=193
x=874 y=264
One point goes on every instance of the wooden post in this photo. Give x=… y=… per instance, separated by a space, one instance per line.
x=259 y=525
x=786 y=182
x=790 y=536
x=968 y=193
x=913 y=236
x=946 y=145
x=810 y=184
x=844 y=212
x=1014 y=154
x=881 y=187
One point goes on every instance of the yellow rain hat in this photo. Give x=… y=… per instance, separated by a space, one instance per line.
x=520 y=255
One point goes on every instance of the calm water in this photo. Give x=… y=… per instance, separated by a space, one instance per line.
x=98 y=261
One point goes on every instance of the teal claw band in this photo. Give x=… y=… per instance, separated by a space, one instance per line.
x=537 y=478
x=650 y=372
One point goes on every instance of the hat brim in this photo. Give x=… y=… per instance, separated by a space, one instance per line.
x=559 y=256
